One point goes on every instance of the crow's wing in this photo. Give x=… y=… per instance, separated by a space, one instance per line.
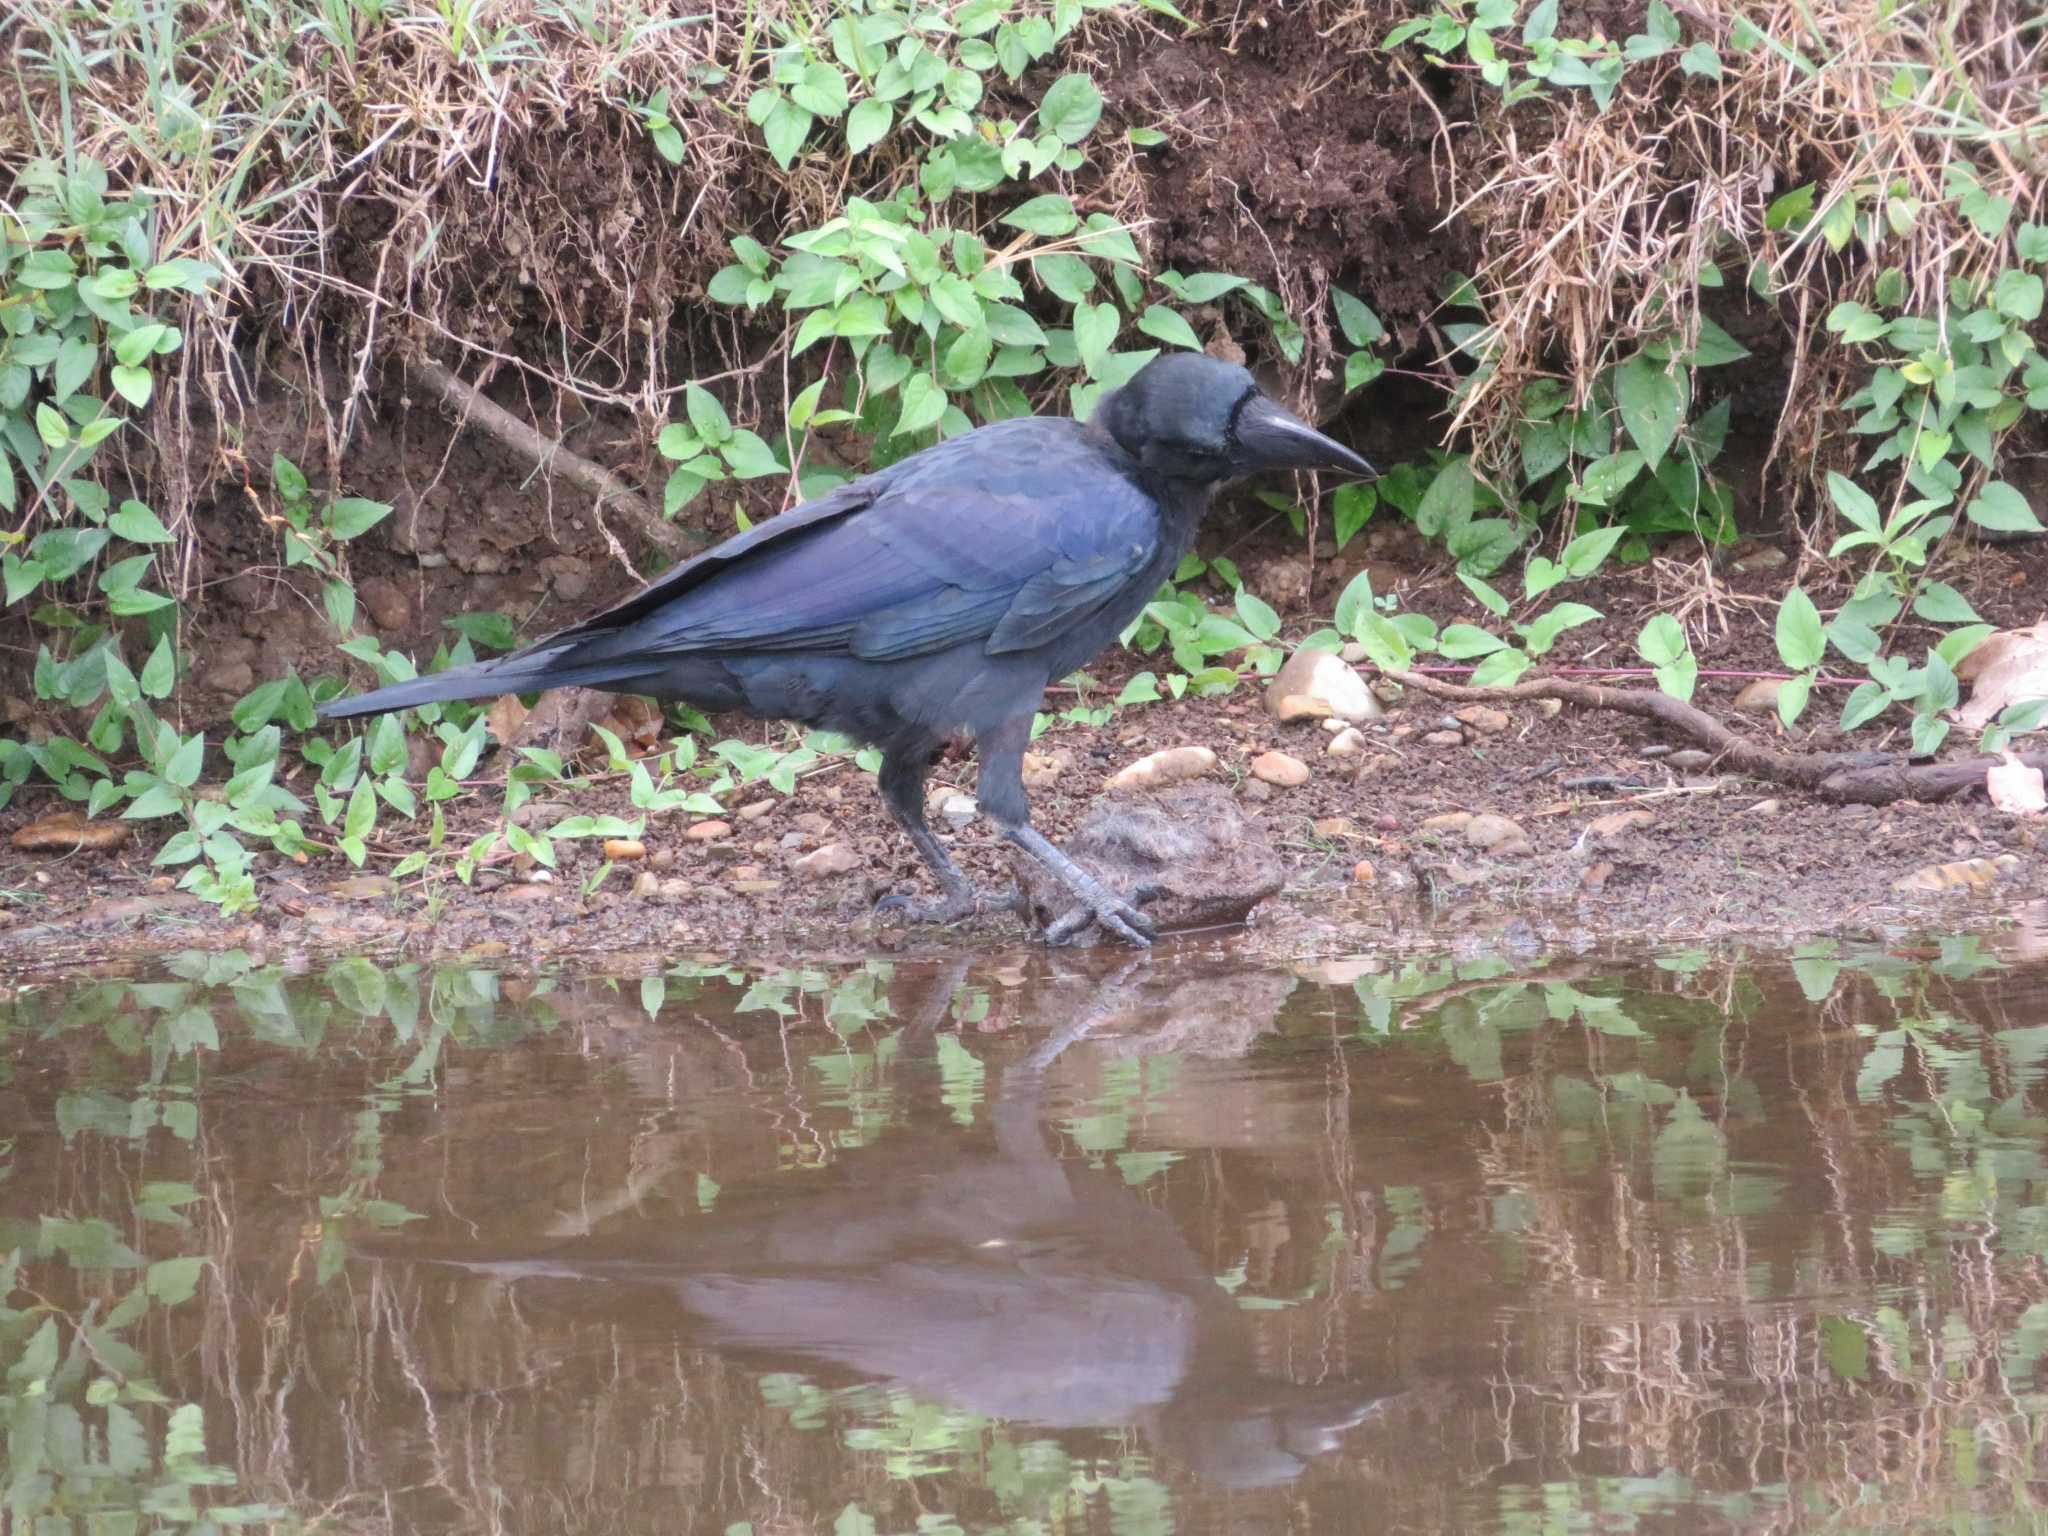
x=1008 y=535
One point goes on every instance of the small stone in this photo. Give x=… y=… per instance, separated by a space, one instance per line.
x=756 y=809
x=541 y=813
x=1760 y=697
x=1353 y=652
x=522 y=893
x=1349 y=742
x=1258 y=791
x=662 y=858
x=647 y=883
x=69 y=832
x=1449 y=821
x=1499 y=836
x=624 y=850
x=794 y=842
x=1317 y=683
x=1402 y=731
x=363 y=888
x=1484 y=719
x=233 y=676
x=385 y=602
x=1767 y=557
x=1362 y=873
x=1042 y=770
x=1595 y=876
x=1614 y=823
x=1550 y=709
x=1762 y=808
x=1387 y=821
x=1334 y=726
x=1336 y=826
x=832 y=859
x=1444 y=739
x=766 y=845
x=1159 y=769
x=1689 y=758
x=746 y=872
x=1280 y=770
x=674 y=887
x=813 y=823
x=756 y=887
x=708 y=831
x=957 y=810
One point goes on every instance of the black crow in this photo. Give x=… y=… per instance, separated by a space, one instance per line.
x=935 y=598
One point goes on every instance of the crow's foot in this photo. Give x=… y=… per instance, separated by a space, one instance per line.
x=1113 y=915
x=955 y=906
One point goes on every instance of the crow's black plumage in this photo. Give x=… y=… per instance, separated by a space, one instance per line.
x=935 y=598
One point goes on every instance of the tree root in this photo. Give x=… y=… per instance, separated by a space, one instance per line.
x=1865 y=778
x=608 y=492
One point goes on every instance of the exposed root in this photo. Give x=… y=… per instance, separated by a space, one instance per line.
x=610 y=493
x=1865 y=778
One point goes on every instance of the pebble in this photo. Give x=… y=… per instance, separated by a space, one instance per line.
x=1280 y=770
x=1485 y=719
x=1042 y=770
x=1158 y=769
x=1444 y=739
x=1349 y=742
x=832 y=859
x=1550 y=709
x=1689 y=758
x=1362 y=873
x=1766 y=558
x=1387 y=821
x=662 y=858
x=813 y=823
x=1763 y=808
x=675 y=886
x=69 y=832
x=1596 y=876
x=1760 y=697
x=1498 y=835
x=1448 y=821
x=1352 y=652
x=541 y=813
x=1336 y=826
x=646 y=883
x=746 y=872
x=756 y=887
x=1318 y=683
x=1258 y=791
x=756 y=809
x=957 y=810
x=364 y=888
x=624 y=850
x=708 y=831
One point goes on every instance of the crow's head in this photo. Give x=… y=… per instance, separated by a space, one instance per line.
x=1190 y=417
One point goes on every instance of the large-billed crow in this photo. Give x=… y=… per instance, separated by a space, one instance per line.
x=935 y=598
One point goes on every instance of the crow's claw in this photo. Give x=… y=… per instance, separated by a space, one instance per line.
x=1119 y=918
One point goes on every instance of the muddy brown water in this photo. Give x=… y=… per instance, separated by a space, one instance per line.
x=1436 y=1241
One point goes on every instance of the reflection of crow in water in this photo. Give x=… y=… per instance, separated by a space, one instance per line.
x=1010 y=1285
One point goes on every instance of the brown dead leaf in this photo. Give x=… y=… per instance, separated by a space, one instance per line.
x=505 y=716
x=2008 y=667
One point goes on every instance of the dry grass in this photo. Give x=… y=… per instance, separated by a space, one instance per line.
x=1601 y=224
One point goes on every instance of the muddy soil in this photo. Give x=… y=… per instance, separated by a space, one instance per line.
x=1620 y=841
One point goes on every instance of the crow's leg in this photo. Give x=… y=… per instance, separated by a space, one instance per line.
x=902 y=784
x=1002 y=797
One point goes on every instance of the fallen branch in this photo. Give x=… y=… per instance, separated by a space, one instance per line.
x=608 y=492
x=1866 y=778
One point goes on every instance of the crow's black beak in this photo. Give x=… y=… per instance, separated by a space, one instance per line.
x=1269 y=437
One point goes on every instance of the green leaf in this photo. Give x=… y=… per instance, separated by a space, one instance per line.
x=1652 y=404
x=868 y=124
x=1853 y=502
x=1662 y=641
x=821 y=91
x=1170 y=327
x=183 y=768
x=1258 y=615
x=1050 y=215
x=1447 y=504
x=1605 y=479
x=1071 y=108
x=1361 y=327
x=2002 y=509
x=1095 y=328
x=131 y=384
x=923 y=404
x=707 y=416
x=1501 y=669
x=1801 y=640
x=160 y=672
x=1353 y=507
x=352 y=515
x=1940 y=603
x=750 y=458
x=137 y=524
x=171 y=1281
x=1462 y=642
x=2018 y=295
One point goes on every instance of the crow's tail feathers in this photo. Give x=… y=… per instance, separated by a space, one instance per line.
x=522 y=673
